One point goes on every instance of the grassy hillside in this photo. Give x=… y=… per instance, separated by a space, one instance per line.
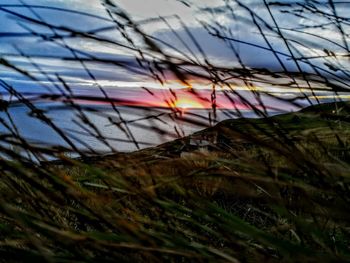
x=262 y=190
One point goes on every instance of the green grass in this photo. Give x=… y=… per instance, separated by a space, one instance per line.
x=276 y=190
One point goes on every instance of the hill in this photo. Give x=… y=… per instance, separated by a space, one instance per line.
x=245 y=190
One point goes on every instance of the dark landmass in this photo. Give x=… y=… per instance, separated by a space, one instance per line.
x=245 y=190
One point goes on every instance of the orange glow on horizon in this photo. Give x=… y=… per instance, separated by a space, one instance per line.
x=184 y=103
x=183 y=99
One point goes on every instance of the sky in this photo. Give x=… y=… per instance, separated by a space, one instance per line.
x=180 y=30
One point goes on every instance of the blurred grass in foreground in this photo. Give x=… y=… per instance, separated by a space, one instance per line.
x=266 y=190
x=269 y=190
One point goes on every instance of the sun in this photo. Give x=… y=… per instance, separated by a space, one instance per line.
x=187 y=104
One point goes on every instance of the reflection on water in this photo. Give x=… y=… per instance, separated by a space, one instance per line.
x=104 y=129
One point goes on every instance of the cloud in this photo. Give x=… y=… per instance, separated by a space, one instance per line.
x=244 y=34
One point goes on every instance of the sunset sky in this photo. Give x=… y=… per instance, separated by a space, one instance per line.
x=163 y=20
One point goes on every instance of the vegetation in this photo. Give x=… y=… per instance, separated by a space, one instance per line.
x=269 y=189
x=274 y=199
